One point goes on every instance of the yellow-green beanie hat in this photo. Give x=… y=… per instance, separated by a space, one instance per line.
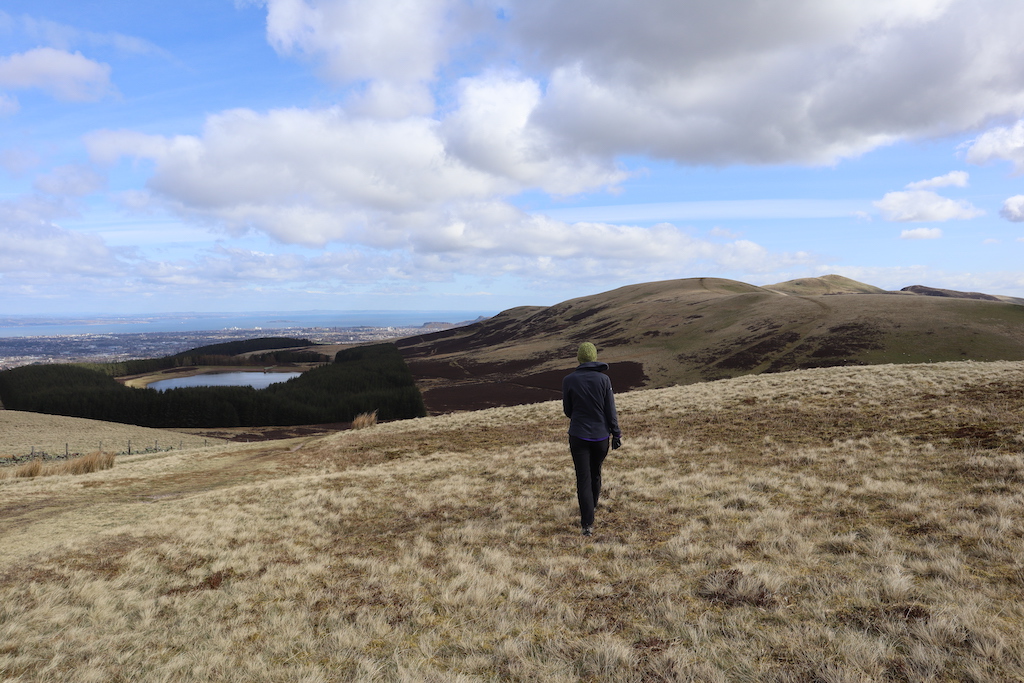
x=587 y=353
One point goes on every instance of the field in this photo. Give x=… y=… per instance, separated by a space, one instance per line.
x=23 y=433
x=841 y=524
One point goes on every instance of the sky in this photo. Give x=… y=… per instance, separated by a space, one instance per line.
x=475 y=155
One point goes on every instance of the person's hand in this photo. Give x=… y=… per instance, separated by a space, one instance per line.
x=616 y=442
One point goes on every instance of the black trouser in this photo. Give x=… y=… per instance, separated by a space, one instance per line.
x=587 y=457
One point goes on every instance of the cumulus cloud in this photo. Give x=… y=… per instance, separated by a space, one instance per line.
x=1002 y=143
x=67 y=76
x=394 y=40
x=921 y=234
x=491 y=131
x=1013 y=209
x=922 y=205
x=316 y=176
x=434 y=191
x=953 y=178
x=779 y=81
x=763 y=81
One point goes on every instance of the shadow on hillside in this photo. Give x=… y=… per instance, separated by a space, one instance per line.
x=450 y=387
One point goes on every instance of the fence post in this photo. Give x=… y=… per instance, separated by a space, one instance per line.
x=129 y=446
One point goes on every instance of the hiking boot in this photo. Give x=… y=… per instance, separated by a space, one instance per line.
x=588 y=531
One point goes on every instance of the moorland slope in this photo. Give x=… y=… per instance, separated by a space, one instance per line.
x=837 y=524
x=23 y=433
x=683 y=331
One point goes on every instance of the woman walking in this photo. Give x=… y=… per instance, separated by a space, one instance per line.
x=589 y=403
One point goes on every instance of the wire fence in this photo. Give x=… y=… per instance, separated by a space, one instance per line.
x=131 y=448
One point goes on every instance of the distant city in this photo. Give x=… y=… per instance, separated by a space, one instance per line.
x=106 y=346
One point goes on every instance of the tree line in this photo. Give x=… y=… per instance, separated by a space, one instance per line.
x=279 y=350
x=361 y=379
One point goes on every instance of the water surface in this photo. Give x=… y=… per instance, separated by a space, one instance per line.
x=256 y=380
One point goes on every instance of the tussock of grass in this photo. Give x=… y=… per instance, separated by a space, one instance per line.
x=862 y=524
x=30 y=469
x=93 y=462
x=364 y=420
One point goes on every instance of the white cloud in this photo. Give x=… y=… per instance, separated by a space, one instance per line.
x=1004 y=143
x=65 y=37
x=761 y=81
x=67 y=76
x=778 y=81
x=18 y=160
x=491 y=131
x=953 y=178
x=1013 y=209
x=921 y=234
x=722 y=232
x=8 y=105
x=922 y=205
x=36 y=246
x=312 y=177
x=319 y=177
x=896 y=278
x=394 y=40
x=71 y=180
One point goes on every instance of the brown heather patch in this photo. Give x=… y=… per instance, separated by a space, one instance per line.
x=828 y=525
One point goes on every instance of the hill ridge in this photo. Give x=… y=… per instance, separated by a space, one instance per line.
x=699 y=329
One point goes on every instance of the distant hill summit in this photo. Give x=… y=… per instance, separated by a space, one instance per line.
x=950 y=293
x=698 y=329
x=826 y=284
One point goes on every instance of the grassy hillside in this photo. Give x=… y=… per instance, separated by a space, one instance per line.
x=683 y=331
x=22 y=433
x=827 y=284
x=840 y=524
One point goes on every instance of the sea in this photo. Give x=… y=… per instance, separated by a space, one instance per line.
x=41 y=326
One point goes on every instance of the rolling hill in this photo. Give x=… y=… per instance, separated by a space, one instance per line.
x=699 y=329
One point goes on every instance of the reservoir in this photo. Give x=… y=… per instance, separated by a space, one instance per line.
x=256 y=380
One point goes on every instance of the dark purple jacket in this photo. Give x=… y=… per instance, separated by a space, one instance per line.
x=588 y=400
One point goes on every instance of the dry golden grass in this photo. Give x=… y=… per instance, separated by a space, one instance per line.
x=862 y=524
x=93 y=462
x=364 y=420
x=22 y=432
